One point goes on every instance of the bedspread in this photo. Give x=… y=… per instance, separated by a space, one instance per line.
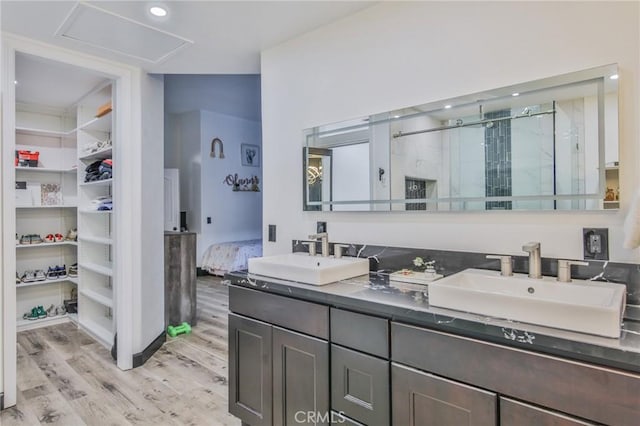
x=221 y=258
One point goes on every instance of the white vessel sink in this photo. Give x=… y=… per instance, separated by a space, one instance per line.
x=583 y=306
x=301 y=267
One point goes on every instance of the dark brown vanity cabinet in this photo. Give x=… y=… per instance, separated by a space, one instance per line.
x=277 y=376
x=422 y=399
x=516 y=413
x=250 y=361
x=300 y=379
x=294 y=362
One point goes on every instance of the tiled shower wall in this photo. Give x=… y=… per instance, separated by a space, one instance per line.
x=497 y=155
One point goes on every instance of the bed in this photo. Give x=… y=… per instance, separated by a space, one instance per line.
x=221 y=258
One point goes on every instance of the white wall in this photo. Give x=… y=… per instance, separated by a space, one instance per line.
x=417 y=52
x=235 y=216
x=151 y=312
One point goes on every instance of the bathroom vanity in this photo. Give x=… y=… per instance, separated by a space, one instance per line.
x=361 y=352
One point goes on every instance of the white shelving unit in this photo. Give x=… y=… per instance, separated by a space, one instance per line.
x=612 y=180
x=52 y=135
x=96 y=298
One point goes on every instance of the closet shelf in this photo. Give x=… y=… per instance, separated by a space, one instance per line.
x=23 y=324
x=48 y=207
x=45 y=132
x=105 y=182
x=88 y=211
x=97 y=240
x=47 y=282
x=61 y=243
x=99 y=268
x=98 y=124
x=45 y=170
x=96 y=330
x=98 y=155
x=102 y=296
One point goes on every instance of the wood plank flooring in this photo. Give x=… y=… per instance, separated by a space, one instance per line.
x=66 y=378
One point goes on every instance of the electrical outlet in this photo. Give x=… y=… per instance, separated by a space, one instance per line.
x=272 y=233
x=321 y=227
x=209 y=220
x=595 y=242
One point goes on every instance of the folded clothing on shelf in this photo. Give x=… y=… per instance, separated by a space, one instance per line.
x=102 y=203
x=99 y=170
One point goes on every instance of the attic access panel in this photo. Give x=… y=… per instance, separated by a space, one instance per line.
x=100 y=28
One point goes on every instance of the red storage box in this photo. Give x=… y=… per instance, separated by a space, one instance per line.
x=27 y=158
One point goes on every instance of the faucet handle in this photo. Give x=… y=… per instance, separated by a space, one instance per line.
x=564 y=269
x=312 y=247
x=506 y=266
x=337 y=250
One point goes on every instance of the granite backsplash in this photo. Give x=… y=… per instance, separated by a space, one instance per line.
x=389 y=259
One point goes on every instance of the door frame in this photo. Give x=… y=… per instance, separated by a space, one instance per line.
x=127 y=115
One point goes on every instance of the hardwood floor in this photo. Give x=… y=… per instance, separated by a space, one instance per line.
x=66 y=378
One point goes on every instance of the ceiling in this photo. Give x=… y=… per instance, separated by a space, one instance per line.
x=54 y=84
x=220 y=37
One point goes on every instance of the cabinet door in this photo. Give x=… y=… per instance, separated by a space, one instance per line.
x=360 y=386
x=300 y=379
x=250 y=345
x=516 y=413
x=421 y=399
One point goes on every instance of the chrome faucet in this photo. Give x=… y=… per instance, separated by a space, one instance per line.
x=325 y=242
x=535 y=261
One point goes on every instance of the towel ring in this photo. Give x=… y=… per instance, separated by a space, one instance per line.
x=213 y=148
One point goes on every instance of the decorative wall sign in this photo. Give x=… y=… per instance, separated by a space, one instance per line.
x=214 y=142
x=243 y=184
x=250 y=155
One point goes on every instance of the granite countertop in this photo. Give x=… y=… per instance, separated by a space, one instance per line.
x=373 y=294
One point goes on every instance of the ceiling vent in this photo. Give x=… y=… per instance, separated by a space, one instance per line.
x=100 y=28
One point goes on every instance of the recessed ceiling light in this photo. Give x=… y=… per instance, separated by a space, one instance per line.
x=15 y=81
x=158 y=11
x=515 y=94
x=613 y=77
x=447 y=106
x=396 y=116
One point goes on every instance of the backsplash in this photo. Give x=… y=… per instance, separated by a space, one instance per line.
x=389 y=259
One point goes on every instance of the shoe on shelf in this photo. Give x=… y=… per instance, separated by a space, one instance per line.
x=39 y=275
x=52 y=311
x=61 y=271
x=52 y=273
x=17 y=239
x=61 y=310
x=18 y=280
x=41 y=312
x=33 y=315
x=58 y=238
x=28 y=277
x=36 y=239
x=72 y=235
x=73 y=270
x=49 y=238
x=25 y=239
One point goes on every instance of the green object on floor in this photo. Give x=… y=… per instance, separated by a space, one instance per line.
x=183 y=328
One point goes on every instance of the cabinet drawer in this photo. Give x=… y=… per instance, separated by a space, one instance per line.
x=516 y=413
x=360 y=386
x=305 y=317
x=421 y=399
x=339 y=419
x=361 y=332
x=597 y=393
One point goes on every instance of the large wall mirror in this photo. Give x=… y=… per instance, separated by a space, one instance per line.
x=549 y=144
